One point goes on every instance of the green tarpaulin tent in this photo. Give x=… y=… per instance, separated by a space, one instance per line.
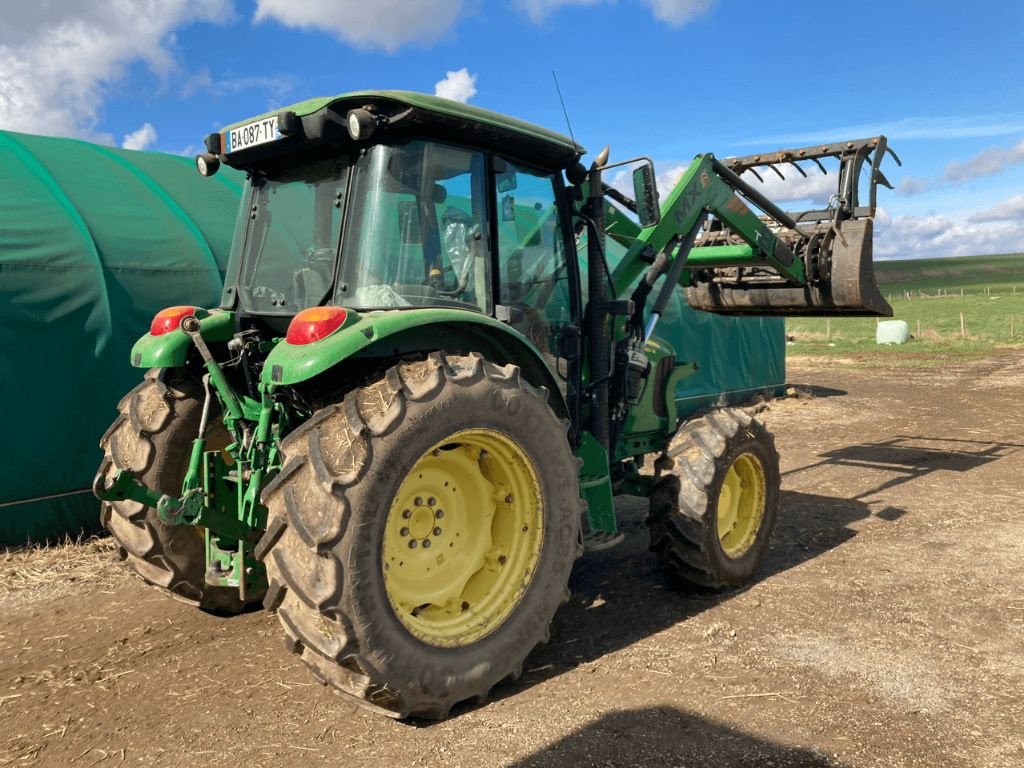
x=93 y=242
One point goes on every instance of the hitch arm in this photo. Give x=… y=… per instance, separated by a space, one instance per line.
x=126 y=488
x=233 y=408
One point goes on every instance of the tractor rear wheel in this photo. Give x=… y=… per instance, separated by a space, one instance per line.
x=421 y=533
x=711 y=517
x=152 y=436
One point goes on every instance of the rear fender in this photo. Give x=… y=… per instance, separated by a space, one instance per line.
x=393 y=334
x=170 y=350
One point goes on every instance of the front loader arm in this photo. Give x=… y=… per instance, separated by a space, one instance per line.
x=701 y=190
x=771 y=262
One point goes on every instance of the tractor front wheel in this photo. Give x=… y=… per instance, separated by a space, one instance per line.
x=711 y=517
x=421 y=534
x=152 y=437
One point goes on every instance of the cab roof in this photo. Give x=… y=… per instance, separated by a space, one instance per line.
x=439 y=118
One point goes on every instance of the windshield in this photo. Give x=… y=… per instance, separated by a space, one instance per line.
x=291 y=243
x=418 y=230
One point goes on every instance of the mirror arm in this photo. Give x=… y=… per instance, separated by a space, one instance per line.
x=621 y=199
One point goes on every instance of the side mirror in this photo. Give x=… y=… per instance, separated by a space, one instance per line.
x=645 y=192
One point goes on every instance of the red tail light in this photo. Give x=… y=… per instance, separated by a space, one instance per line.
x=169 y=319
x=314 y=324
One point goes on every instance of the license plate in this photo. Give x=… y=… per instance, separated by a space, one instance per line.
x=252 y=134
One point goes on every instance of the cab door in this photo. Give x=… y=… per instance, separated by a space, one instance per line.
x=538 y=277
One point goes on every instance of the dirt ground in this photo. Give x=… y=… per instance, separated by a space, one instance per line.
x=887 y=628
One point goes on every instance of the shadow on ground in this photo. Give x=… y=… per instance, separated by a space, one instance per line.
x=662 y=736
x=911 y=457
x=812 y=390
x=621 y=597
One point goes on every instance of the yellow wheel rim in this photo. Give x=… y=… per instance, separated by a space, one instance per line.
x=462 y=538
x=741 y=505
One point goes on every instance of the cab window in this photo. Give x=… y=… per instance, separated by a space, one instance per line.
x=533 y=273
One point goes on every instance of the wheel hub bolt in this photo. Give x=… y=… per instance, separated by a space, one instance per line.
x=508 y=499
x=502 y=559
x=406 y=513
x=412 y=544
x=437 y=531
x=431 y=501
x=404 y=531
x=439 y=514
x=426 y=543
x=418 y=501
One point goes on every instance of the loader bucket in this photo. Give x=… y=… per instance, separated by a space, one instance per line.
x=840 y=283
x=834 y=243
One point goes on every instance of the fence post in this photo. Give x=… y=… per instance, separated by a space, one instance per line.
x=963 y=327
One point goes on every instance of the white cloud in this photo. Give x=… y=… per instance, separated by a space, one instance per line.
x=912 y=185
x=276 y=88
x=144 y=138
x=816 y=187
x=59 y=58
x=987 y=162
x=665 y=180
x=457 y=86
x=917 y=237
x=678 y=12
x=1008 y=210
x=382 y=24
x=950 y=127
x=668 y=178
x=200 y=80
x=538 y=11
x=999 y=229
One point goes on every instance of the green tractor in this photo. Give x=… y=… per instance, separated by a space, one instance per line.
x=412 y=410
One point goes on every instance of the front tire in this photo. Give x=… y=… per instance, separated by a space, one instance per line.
x=421 y=534
x=152 y=437
x=711 y=517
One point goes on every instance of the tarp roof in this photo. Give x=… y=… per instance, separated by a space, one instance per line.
x=93 y=241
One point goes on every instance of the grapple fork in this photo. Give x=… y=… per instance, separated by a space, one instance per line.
x=833 y=244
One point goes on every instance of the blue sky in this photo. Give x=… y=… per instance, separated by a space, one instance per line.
x=665 y=78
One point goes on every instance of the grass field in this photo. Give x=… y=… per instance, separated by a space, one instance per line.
x=931 y=295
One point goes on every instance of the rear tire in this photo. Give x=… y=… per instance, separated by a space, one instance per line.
x=340 y=530
x=711 y=517
x=152 y=437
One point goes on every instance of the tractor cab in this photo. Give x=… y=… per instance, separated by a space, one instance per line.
x=385 y=201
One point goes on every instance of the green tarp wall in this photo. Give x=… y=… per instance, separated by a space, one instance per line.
x=93 y=242
x=738 y=358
